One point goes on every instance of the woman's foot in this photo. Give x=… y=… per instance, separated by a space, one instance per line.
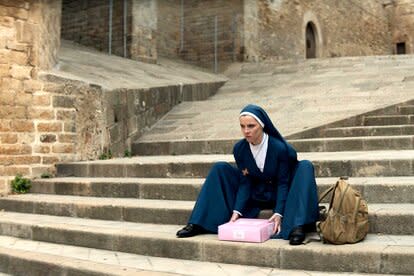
x=297 y=236
x=191 y=230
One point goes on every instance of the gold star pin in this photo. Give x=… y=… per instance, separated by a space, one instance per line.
x=245 y=172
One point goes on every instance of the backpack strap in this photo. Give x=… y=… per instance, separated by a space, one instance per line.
x=326 y=192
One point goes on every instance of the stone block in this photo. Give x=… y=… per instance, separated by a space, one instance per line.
x=397 y=260
x=104 y=189
x=32 y=85
x=66 y=115
x=79 y=237
x=41 y=113
x=63 y=148
x=16 y=46
x=4 y=70
x=170 y=247
x=12 y=84
x=24 y=99
x=19 y=58
x=38 y=170
x=5 y=125
x=69 y=126
x=16 y=230
x=49 y=127
x=14 y=170
x=22 y=125
x=324 y=257
x=15 y=149
x=72 y=170
x=50 y=160
x=21 y=72
x=242 y=253
x=107 y=170
x=20 y=160
x=4 y=56
x=8 y=138
x=7 y=21
x=67 y=138
x=63 y=101
x=41 y=100
x=47 y=138
x=108 y=212
x=43 y=149
x=155 y=215
x=63 y=188
x=7 y=98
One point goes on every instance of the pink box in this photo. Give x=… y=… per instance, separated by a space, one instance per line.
x=247 y=230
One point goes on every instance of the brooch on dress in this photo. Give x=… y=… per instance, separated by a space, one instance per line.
x=245 y=172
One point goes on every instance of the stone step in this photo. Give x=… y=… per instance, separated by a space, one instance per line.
x=382 y=120
x=390 y=218
x=387 y=254
x=26 y=257
x=374 y=189
x=406 y=110
x=369 y=131
x=180 y=147
x=61 y=260
x=327 y=164
x=405 y=142
x=302 y=145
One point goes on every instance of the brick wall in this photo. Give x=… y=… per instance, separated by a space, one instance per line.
x=29 y=41
x=346 y=28
x=199 y=30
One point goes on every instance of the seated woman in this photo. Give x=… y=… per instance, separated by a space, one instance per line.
x=268 y=176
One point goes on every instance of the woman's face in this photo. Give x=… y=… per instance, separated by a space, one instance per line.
x=251 y=129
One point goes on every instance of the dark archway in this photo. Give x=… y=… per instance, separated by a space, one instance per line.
x=310 y=41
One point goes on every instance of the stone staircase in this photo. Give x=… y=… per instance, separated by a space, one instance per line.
x=113 y=217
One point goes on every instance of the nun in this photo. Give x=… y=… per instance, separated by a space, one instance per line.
x=268 y=176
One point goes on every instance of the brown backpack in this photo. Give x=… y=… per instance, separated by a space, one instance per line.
x=347 y=218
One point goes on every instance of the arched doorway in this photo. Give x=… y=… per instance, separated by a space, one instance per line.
x=310 y=40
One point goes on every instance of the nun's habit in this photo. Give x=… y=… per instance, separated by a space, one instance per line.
x=283 y=184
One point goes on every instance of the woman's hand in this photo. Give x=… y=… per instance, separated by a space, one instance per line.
x=277 y=219
x=234 y=217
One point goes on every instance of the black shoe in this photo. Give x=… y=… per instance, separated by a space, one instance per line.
x=190 y=230
x=297 y=236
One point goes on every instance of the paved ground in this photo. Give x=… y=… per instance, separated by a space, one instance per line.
x=297 y=96
x=111 y=72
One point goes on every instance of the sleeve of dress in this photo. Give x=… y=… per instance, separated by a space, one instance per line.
x=243 y=192
x=282 y=181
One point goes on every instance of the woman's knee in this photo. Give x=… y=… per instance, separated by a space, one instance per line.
x=222 y=166
x=305 y=165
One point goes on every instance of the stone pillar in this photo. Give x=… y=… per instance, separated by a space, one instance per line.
x=251 y=31
x=29 y=40
x=144 y=30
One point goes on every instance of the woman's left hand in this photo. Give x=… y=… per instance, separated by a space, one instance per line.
x=277 y=219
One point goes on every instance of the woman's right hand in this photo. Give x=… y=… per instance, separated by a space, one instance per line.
x=234 y=217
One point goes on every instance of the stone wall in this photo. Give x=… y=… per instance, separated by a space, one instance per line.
x=402 y=24
x=144 y=31
x=169 y=28
x=344 y=28
x=29 y=40
x=199 y=31
x=87 y=22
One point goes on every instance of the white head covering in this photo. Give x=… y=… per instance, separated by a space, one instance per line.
x=246 y=113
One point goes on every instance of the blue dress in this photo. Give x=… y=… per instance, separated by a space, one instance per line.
x=286 y=186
